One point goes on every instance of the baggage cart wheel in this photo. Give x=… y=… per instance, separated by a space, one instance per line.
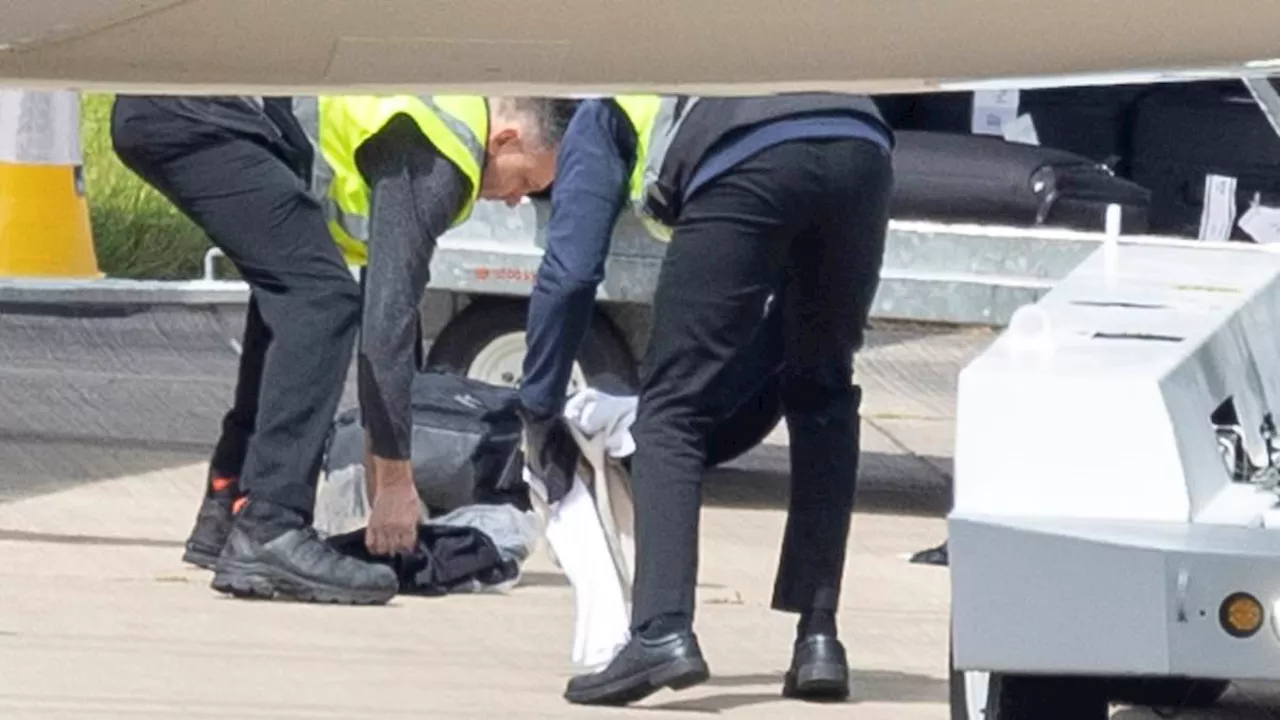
x=486 y=342
x=997 y=696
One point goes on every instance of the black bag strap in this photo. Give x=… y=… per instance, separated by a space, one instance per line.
x=512 y=475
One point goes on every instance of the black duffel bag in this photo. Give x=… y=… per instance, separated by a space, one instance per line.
x=466 y=443
x=949 y=177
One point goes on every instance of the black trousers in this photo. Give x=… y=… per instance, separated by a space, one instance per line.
x=806 y=219
x=301 y=324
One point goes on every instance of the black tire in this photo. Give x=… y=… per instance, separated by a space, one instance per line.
x=747 y=425
x=1030 y=697
x=1168 y=692
x=606 y=362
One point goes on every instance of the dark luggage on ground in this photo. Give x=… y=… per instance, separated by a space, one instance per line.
x=466 y=443
x=1184 y=132
x=979 y=179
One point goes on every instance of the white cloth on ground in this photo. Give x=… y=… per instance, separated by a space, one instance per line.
x=342 y=502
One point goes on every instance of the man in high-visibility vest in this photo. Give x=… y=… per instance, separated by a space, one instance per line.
x=784 y=196
x=275 y=182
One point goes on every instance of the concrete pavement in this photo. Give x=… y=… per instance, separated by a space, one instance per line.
x=100 y=619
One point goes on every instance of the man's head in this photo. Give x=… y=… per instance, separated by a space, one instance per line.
x=524 y=134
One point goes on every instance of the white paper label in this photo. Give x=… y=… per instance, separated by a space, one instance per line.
x=1262 y=223
x=993 y=109
x=1022 y=130
x=1219 y=214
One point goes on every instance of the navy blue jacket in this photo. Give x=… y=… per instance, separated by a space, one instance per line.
x=590 y=190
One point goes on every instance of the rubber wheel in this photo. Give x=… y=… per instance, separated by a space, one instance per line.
x=1168 y=692
x=747 y=425
x=997 y=696
x=486 y=342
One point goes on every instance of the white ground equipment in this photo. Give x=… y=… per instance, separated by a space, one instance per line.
x=1116 y=510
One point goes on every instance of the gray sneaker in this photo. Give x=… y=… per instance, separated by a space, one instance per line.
x=296 y=564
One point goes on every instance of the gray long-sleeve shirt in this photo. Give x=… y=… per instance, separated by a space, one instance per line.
x=416 y=193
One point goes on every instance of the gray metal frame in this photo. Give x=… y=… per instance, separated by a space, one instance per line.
x=932 y=272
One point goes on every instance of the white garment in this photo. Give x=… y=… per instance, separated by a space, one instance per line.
x=610 y=417
x=576 y=536
x=591 y=530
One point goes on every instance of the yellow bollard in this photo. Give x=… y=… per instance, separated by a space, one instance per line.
x=44 y=218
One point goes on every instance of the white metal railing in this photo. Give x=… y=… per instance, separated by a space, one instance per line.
x=207 y=275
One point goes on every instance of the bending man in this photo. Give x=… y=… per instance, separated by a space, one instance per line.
x=784 y=196
x=274 y=182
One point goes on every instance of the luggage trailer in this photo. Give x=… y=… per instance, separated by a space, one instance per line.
x=1116 y=527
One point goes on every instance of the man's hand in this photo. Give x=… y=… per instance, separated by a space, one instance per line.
x=550 y=452
x=393 y=524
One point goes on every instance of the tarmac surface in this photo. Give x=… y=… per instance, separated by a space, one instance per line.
x=105 y=427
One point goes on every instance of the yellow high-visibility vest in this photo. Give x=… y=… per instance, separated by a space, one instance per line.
x=337 y=125
x=653 y=117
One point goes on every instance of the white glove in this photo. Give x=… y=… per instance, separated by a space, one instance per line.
x=594 y=412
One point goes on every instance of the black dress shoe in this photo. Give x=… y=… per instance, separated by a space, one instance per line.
x=640 y=669
x=819 y=670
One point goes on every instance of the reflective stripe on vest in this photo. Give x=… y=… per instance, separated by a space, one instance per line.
x=457 y=125
x=655 y=122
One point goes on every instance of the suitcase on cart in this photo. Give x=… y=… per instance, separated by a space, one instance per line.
x=1089 y=121
x=1182 y=133
x=967 y=178
x=949 y=112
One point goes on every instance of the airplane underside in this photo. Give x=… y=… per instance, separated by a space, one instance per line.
x=607 y=46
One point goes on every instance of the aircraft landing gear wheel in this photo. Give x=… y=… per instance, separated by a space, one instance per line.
x=997 y=696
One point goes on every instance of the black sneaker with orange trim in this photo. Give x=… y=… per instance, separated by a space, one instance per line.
x=213 y=523
x=273 y=552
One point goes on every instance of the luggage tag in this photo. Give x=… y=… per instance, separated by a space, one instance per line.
x=1262 y=223
x=1219 y=213
x=993 y=110
x=1021 y=129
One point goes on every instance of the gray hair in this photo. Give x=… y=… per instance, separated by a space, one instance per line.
x=545 y=118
